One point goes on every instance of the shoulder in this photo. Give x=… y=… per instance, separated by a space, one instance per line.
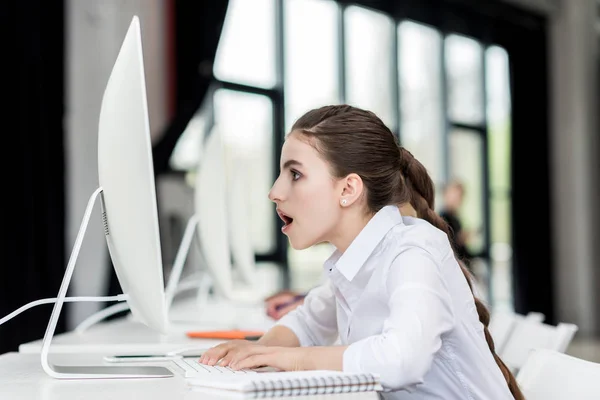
x=417 y=234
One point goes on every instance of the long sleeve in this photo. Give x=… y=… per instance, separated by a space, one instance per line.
x=420 y=313
x=314 y=322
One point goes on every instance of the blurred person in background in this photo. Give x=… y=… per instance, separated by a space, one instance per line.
x=454 y=193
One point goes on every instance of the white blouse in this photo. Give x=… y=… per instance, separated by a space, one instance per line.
x=398 y=298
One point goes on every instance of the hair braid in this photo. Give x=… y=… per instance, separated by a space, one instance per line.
x=418 y=188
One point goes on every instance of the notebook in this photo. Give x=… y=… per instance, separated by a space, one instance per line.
x=278 y=384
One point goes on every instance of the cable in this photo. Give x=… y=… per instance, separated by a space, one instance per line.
x=121 y=297
x=191 y=282
x=101 y=315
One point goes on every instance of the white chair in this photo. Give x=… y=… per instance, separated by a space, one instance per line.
x=529 y=334
x=502 y=324
x=549 y=374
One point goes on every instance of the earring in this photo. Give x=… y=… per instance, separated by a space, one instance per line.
x=344 y=201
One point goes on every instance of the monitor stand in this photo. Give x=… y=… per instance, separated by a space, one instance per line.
x=88 y=372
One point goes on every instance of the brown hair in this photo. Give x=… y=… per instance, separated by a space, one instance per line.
x=357 y=141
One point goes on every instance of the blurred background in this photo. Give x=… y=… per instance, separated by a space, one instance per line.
x=497 y=98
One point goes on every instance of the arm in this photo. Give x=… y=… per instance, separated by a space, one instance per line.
x=282 y=303
x=279 y=336
x=311 y=324
x=420 y=313
x=315 y=322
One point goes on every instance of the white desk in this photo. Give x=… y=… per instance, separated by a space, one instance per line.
x=125 y=336
x=22 y=378
x=120 y=336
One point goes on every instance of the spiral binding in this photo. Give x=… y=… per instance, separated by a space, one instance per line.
x=314 y=385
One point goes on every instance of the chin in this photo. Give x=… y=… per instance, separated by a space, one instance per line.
x=300 y=244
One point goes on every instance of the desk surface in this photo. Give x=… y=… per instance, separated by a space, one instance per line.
x=125 y=336
x=121 y=336
x=22 y=378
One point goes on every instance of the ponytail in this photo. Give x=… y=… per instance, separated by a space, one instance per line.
x=417 y=187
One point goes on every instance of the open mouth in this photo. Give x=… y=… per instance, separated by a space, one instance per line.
x=287 y=220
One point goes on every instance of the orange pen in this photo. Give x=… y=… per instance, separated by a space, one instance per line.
x=226 y=335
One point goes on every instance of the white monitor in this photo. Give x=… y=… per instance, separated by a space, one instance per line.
x=210 y=204
x=126 y=175
x=223 y=225
x=239 y=223
x=130 y=217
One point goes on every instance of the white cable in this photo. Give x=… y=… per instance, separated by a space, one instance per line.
x=101 y=315
x=121 y=297
x=191 y=282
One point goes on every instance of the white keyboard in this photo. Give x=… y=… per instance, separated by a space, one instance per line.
x=192 y=367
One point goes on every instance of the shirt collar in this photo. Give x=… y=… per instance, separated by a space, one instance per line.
x=361 y=248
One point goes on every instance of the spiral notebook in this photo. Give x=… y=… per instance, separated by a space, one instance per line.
x=279 y=384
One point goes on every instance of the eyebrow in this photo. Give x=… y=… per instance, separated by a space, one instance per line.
x=289 y=163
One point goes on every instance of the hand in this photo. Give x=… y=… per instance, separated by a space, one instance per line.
x=282 y=303
x=242 y=354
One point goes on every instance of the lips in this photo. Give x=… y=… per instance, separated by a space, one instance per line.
x=287 y=220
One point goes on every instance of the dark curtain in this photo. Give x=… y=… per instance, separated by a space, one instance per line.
x=533 y=279
x=33 y=186
x=196 y=30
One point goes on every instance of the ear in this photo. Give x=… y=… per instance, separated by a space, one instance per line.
x=352 y=188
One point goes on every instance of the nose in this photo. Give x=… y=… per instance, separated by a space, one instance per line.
x=275 y=192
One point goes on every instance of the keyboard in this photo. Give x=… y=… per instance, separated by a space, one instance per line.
x=192 y=367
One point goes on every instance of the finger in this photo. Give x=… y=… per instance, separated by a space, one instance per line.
x=246 y=352
x=271 y=308
x=279 y=300
x=225 y=361
x=280 y=313
x=278 y=294
x=254 y=361
x=225 y=350
x=212 y=355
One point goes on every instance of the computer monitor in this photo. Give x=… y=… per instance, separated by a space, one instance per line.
x=129 y=209
x=210 y=204
x=126 y=175
x=222 y=226
x=239 y=224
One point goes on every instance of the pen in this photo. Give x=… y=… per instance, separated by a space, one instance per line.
x=295 y=299
x=226 y=335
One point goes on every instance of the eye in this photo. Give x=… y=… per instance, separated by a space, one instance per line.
x=295 y=175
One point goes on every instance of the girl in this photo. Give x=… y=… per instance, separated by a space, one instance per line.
x=400 y=303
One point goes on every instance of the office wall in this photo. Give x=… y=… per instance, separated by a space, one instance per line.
x=574 y=162
x=94 y=32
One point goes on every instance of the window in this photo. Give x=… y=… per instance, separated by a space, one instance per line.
x=369 y=68
x=311 y=62
x=246 y=52
x=465 y=79
x=188 y=149
x=465 y=149
x=499 y=133
x=421 y=107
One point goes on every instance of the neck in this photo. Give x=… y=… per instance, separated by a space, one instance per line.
x=407 y=210
x=349 y=227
